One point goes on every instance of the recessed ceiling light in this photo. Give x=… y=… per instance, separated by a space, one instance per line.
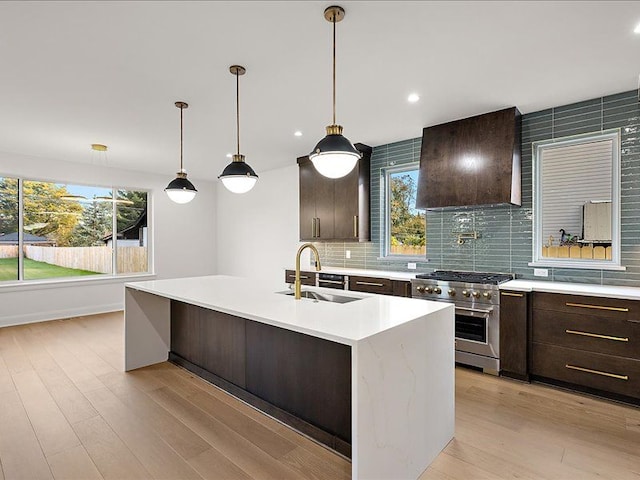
x=229 y=155
x=297 y=133
x=413 y=98
x=637 y=29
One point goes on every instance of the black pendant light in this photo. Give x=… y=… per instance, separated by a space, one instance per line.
x=334 y=156
x=181 y=190
x=238 y=176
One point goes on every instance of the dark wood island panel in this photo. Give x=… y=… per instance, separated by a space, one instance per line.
x=303 y=381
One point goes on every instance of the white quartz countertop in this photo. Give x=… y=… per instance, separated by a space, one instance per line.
x=345 y=323
x=609 y=291
x=391 y=275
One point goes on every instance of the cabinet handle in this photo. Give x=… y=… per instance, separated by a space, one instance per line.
x=337 y=282
x=596 y=335
x=355 y=226
x=598 y=372
x=507 y=294
x=313 y=227
x=371 y=284
x=596 y=307
x=317 y=227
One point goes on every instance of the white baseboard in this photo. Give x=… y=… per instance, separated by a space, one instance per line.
x=9 y=321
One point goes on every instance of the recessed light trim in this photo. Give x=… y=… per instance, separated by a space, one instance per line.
x=637 y=29
x=413 y=98
x=297 y=133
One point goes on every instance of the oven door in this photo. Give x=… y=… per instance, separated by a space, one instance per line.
x=477 y=330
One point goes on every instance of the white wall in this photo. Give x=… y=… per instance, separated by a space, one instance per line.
x=258 y=232
x=183 y=240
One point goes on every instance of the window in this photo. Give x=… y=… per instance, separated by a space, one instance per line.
x=8 y=229
x=67 y=230
x=577 y=201
x=405 y=225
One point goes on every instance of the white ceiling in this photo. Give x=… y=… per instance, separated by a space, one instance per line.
x=75 y=73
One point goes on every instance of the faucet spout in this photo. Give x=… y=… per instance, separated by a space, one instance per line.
x=298 y=284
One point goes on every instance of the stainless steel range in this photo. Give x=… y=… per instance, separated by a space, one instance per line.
x=477 y=312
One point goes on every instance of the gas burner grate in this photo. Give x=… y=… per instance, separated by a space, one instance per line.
x=467 y=277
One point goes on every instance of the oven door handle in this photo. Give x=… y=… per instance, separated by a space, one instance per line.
x=476 y=310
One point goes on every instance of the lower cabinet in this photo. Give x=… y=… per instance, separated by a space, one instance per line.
x=301 y=380
x=514 y=315
x=401 y=288
x=591 y=343
x=306 y=278
x=382 y=286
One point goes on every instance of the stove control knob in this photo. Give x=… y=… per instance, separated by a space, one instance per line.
x=475 y=294
x=452 y=292
x=437 y=290
x=466 y=293
x=429 y=289
x=487 y=295
x=420 y=288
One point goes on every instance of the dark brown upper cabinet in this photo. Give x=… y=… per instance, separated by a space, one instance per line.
x=474 y=161
x=335 y=209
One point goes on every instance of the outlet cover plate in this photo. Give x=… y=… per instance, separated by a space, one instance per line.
x=411 y=266
x=540 y=272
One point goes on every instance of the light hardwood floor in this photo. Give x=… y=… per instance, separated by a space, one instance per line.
x=67 y=411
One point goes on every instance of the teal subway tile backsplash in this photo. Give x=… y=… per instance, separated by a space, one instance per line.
x=505 y=243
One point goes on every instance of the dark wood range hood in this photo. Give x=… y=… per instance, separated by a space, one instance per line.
x=474 y=161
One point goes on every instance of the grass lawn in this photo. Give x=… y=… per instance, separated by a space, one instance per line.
x=35 y=270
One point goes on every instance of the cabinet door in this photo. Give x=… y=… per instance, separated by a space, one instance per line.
x=513 y=332
x=325 y=205
x=307 y=176
x=347 y=206
x=401 y=288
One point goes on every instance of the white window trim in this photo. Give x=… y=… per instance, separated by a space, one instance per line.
x=537 y=259
x=385 y=208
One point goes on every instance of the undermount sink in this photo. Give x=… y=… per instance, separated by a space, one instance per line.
x=324 y=297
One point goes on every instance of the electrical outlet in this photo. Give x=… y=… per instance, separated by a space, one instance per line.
x=541 y=272
x=411 y=266
x=347 y=253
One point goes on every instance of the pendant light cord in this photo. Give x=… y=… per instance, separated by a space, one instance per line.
x=181 y=167
x=334 y=68
x=238 y=111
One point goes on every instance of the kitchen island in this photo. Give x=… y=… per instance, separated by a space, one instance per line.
x=399 y=359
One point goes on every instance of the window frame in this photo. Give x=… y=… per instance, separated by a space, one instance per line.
x=385 y=224
x=98 y=277
x=536 y=149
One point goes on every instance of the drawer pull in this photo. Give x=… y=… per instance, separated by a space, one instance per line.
x=507 y=294
x=302 y=277
x=597 y=307
x=371 y=284
x=335 y=282
x=598 y=372
x=596 y=335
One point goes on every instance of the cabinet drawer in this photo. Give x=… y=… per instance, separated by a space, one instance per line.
x=306 y=278
x=594 y=370
x=585 y=332
x=584 y=305
x=371 y=285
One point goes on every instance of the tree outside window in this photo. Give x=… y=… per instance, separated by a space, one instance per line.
x=406 y=224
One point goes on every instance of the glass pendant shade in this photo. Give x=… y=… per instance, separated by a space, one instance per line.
x=238 y=176
x=181 y=190
x=334 y=156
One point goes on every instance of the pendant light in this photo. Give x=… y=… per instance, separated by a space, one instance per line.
x=238 y=176
x=181 y=190
x=334 y=156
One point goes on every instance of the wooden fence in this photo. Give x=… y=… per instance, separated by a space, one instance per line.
x=415 y=250
x=577 y=251
x=8 y=251
x=93 y=259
